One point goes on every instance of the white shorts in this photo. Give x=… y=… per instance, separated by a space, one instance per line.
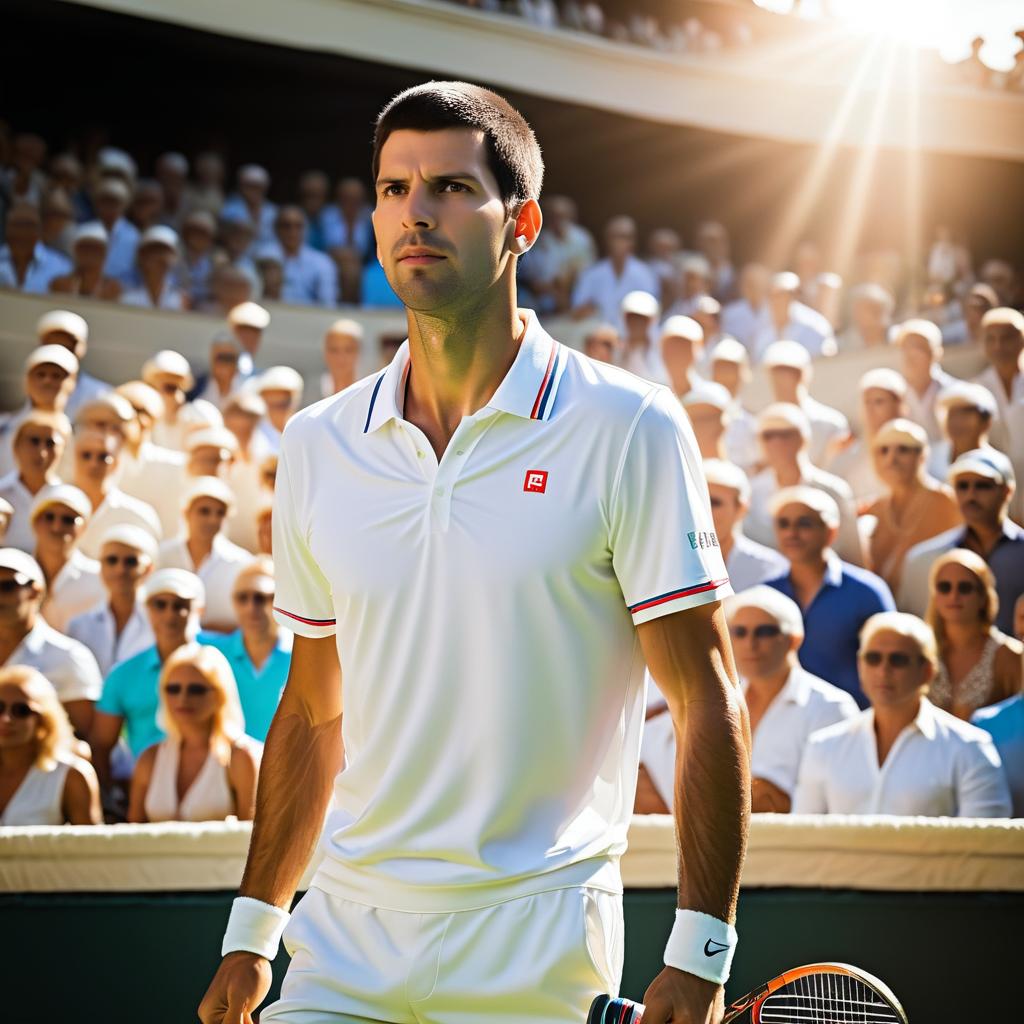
x=540 y=958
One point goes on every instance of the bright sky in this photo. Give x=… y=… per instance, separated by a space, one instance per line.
x=944 y=25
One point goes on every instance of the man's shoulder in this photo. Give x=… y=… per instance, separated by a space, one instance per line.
x=338 y=410
x=855 y=576
x=926 y=550
x=826 y=694
x=1010 y=709
x=761 y=553
x=835 y=485
x=957 y=732
x=816 y=410
x=130 y=668
x=837 y=734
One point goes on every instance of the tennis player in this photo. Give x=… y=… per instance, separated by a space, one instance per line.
x=485 y=541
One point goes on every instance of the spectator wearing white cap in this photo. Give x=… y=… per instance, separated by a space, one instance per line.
x=871 y=309
x=6 y=514
x=744 y=318
x=198 y=235
x=603 y=344
x=170 y=374
x=50 y=373
x=280 y=387
x=730 y=366
x=206 y=192
x=783 y=433
x=641 y=355
x=37 y=445
x=247 y=322
x=89 y=246
x=156 y=257
x=310 y=277
x=965 y=412
x=223 y=377
x=914 y=506
x=882 y=394
x=210 y=451
x=707 y=407
x=707 y=311
x=97 y=470
x=601 y=287
x=116 y=627
x=681 y=345
x=110 y=414
x=748 y=563
x=203 y=548
x=147 y=204
x=111 y=200
x=903 y=756
x=920 y=345
x=786 y=703
x=171 y=171
x=694 y=284
x=62 y=327
x=174 y=601
x=27 y=639
x=59 y=515
x=966 y=329
x=250 y=203
x=789 y=319
x=835 y=598
x=343 y=345
x=25 y=263
x=242 y=416
x=1003 y=334
x=984 y=484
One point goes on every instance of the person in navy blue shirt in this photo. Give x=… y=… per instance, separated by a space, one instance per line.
x=836 y=598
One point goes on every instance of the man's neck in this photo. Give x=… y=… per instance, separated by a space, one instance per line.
x=34 y=480
x=12 y=633
x=52 y=561
x=807 y=578
x=957 y=448
x=154 y=285
x=920 y=381
x=291 y=251
x=95 y=490
x=165 y=648
x=22 y=257
x=982 y=537
x=788 y=474
x=456 y=368
x=618 y=264
x=1007 y=375
x=259 y=644
x=764 y=689
x=199 y=549
x=890 y=722
x=122 y=605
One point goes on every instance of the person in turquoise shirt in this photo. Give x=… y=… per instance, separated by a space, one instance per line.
x=259 y=652
x=174 y=600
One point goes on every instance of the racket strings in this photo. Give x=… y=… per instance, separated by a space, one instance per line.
x=827 y=998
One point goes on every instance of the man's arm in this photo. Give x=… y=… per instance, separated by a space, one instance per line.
x=689 y=656
x=102 y=737
x=302 y=755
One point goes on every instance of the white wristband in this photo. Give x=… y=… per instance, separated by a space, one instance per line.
x=701 y=945
x=254 y=926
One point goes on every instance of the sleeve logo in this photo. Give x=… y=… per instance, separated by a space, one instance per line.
x=536 y=481
x=702 y=539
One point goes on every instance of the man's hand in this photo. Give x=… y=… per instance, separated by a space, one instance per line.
x=241 y=983
x=676 y=997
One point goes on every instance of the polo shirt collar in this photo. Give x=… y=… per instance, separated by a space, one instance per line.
x=797 y=689
x=925 y=720
x=833 y=569
x=528 y=390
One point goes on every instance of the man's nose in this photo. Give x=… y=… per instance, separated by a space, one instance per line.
x=418 y=210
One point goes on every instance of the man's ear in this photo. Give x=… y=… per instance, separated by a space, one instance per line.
x=527 y=227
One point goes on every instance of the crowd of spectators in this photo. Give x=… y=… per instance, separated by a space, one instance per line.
x=878 y=564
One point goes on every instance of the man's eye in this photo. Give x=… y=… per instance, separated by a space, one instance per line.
x=391 y=190
x=454 y=185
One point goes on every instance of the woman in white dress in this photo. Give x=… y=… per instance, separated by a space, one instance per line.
x=206 y=768
x=42 y=782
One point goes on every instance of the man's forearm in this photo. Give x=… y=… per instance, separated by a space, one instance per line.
x=300 y=761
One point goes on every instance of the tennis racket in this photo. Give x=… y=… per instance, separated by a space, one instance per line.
x=815 y=994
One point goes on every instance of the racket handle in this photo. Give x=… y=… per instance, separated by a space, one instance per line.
x=608 y=1010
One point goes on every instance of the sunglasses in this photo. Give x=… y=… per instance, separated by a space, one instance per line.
x=170 y=389
x=16 y=582
x=17 y=709
x=128 y=561
x=191 y=689
x=964 y=587
x=105 y=457
x=259 y=599
x=898 y=449
x=161 y=604
x=225 y=357
x=800 y=523
x=39 y=442
x=64 y=519
x=778 y=435
x=963 y=486
x=895 y=659
x=762 y=632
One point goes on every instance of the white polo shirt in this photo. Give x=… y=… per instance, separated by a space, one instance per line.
x=74 y=589
x=96 y=629
x=218 y=572
x=803 y=705
x=938 y=766
x=118 y=509
x=68 y=665
x=19 y=532
x=485 y=610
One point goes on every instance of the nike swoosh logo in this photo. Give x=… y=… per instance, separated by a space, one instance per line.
x=708 y=951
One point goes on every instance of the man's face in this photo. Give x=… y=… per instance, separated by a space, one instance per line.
x=248 y=337
x=801 y=534
x=341 y=354
x=678 y=356
x=726 y=509
x=122 y=568
x=897 y=463
x=197 y=239
x=602 y=346
x=786 y=381
x=169 y=616
x=754 y=283
x=313 y=193
x=351 y=196
x=240 y=423
x=441 y=225
x=893 y=674
x=156 y=259
x=713 y=242
x=867 y=314
x=620 y=239
x=780 y=445
x=280 y=406
x=46 y=383
x=223 y=363
x=728 y=374
x=975 y=307
x=20 y=597
x=708 y=426
x=238 y=236
x=253 y=191
x=1003 y=345
x=19 y=720
x=982 y=501
x=253 y=600
x=205 y=517
x=918 y=356
x=965 y=426
x=209 y=460
x=89 y=255
x=38 y=448
x=146 y=205
x=694 y=283
x=290 y=227
x=24 y=228
x=780 y=301
x=105 y=421
x=638 y=327
x=109 y=208
x=879 y=406
x=57 y=528
x=96 y=458
x=759 y=644
x=171 y=388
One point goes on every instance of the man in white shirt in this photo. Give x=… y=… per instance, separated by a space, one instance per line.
x=920 y=345
x=281 y=388
x=789 y=319
x=1003 y=332
x=902 y=755
x=204 y=550
x=601 y=287
x=97 y=467
x=551 y=267
x=533 y=480
x=310 y=277
x=681 y=345
x=242 y=416
x=745 y=318
x=156 y=258
x=789 y=372
x=62 y=327
x=747 y=562
x=707 y=407
x=730 y=367
x=211 y=452
x=118 y=628
x=248 y=321
x=343 y=345
x=694 y=285
x=27 y=639
x=640 y=354
x=871 y=308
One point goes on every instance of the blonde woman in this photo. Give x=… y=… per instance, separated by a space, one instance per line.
x=915 y=506
x=206 y=768
x=978 y=665
x=42 y=782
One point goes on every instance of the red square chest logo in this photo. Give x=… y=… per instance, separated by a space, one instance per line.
x=536 y=481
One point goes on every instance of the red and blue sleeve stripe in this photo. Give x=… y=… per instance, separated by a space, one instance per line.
x=305 y=621
x=673 y=595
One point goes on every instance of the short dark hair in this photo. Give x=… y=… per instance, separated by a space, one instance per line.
x=513 y=154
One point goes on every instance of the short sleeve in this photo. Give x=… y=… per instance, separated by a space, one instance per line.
x=665 y=552
x=110 y=701
x=303 y=601
x=79 y=678
x=982 y=789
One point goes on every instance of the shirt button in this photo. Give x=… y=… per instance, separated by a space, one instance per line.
x=419 y=454
x=460 y=452
x=439 y=491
